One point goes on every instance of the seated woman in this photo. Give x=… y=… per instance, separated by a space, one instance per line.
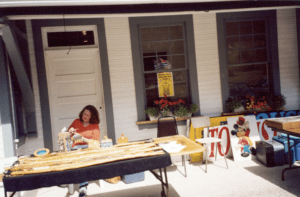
x=85 y=128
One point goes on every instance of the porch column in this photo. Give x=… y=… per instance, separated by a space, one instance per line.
x=6 y=122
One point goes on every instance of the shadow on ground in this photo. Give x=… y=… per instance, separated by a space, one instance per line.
x=149 y=191
x=273 y=175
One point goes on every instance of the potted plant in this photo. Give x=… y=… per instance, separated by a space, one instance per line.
x=152 y=112
x=164 y=106
x=182 y=110
x=277 y=101
x=257 y=104
x=194 y=108
x=232 y=104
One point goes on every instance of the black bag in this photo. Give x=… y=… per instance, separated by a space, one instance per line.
x=270 y=153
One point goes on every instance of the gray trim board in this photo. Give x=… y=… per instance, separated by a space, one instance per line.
x=270 y=16
x=44 y=98
x=23 y=80
x=298 y=35
x=187 y=21
x=6 y=121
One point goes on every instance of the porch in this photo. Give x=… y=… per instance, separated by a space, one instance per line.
x=243 y=178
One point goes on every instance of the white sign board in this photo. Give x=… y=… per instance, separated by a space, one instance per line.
x=243 y=135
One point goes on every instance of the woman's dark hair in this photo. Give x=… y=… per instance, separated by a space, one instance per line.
x=94 y=114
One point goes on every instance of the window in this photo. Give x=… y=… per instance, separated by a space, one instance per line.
x=247 y=57
x=163 y=45
x=70 y=38
x=163 y=50
x=64 y=37
x=248 y=54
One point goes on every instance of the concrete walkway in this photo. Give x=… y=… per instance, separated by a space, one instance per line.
x=243 y=178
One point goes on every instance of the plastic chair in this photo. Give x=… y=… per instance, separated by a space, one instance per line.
x=204 y=121
x=167 y=126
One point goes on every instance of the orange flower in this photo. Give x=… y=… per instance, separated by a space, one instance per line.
x=166 y=96
x=156 y=102
x=170 y=103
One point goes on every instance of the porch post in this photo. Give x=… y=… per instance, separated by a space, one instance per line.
x=6 y=123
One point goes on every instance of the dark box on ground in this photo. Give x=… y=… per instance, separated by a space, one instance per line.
x=270 y=153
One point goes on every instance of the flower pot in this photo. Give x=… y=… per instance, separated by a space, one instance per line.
x=153 y=117
x=240 y=109
x=163 y=113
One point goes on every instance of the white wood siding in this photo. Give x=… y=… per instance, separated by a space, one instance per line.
x=288 y=57
x=32 y=144
x=208 y=69
x=121 y=76
x=2 y=155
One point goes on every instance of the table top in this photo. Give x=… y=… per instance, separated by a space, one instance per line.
x=191 y=146
x=291 y=124
x=88 y=173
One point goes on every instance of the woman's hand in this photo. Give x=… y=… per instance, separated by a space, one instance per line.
x=72 y=131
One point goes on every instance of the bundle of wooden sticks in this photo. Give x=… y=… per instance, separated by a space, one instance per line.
x=59 y=161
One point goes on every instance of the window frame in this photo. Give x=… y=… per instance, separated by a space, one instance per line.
x=135 y=24
x=271 y=28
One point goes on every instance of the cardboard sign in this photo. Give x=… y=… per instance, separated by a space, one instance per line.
x=165 y=84
x=243 y=135
x=221 y=132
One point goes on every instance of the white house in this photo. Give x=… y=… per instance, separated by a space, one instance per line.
x=56 y=58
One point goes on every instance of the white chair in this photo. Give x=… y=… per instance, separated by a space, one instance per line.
x=204 y=121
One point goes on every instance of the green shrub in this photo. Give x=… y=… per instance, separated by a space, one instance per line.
x=152 y=111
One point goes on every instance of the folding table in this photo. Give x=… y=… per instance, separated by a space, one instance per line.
x=96 y=172
x=289 y=126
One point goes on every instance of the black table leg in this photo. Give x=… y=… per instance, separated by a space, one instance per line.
x=290 y=159
x=10 y=195
x=163 y=184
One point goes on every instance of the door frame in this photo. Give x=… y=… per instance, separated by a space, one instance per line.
x=41 y=69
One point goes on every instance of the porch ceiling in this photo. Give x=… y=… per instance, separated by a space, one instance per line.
x=43 y=7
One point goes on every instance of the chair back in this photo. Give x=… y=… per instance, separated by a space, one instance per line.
x=166 y=126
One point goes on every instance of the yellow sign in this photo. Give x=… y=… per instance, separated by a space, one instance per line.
x=165 y=84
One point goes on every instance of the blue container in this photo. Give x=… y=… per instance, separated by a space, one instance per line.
x=283 y=140
x=132 y=178
x=297 y=146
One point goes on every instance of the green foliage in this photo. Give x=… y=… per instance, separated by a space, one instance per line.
x=152 y=111
x=181 y=111
x=194 y=108
x=166 y=112
x=233 y=103
x=277 y=101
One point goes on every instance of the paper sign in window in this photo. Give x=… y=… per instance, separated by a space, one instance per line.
x=165 y=84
